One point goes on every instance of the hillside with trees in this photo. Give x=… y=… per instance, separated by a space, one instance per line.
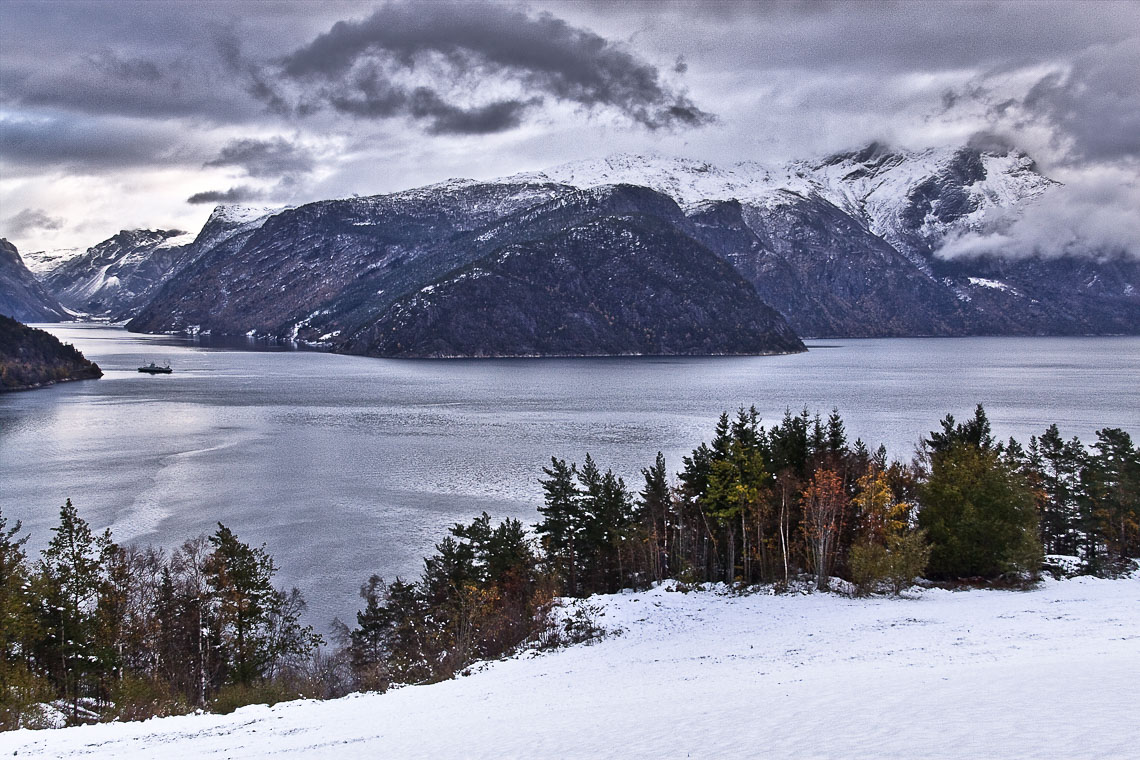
x=95 y=631
x=31 y=358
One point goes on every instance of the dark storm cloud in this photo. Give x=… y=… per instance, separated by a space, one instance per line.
x=85 y=144
x=1096 y=103
x=364 y=67
x=240 y=194
x=265 y=158
x=31 y=219
x=879 y=36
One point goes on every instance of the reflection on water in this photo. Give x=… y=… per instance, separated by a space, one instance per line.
x=346 y=466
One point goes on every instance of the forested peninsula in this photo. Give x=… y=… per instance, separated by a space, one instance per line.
x=32 y=358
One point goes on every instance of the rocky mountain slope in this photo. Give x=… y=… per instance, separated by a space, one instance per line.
x=22 y=297
x=110 y=276
x=121 y=274
x=31 y=358
x=335 y=272
x=613 y=285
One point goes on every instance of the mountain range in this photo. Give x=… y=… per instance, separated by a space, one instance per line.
x=628 y=254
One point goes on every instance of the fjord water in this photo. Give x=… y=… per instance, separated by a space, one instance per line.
x=344 y=466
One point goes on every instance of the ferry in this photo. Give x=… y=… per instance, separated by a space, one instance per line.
x=154 y=369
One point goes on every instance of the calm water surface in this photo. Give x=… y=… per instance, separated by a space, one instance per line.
x=346 y=466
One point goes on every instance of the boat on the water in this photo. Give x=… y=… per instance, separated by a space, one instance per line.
x=154 y=369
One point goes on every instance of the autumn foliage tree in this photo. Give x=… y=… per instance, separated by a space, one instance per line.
x=826 y=506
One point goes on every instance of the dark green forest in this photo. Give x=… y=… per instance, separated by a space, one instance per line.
x=30 y=357
x=97 y=631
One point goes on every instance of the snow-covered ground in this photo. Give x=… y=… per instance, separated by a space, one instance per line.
x=1049 y=673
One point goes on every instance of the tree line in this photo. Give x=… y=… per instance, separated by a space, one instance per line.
x=108 y=632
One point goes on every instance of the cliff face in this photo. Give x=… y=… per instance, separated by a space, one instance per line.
x=30 y=358
x=22 y=297
x=614 y=285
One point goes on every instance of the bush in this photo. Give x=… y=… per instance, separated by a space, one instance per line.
x=873 y=564
x=230 y=698
x=24 y=699
x=136 y=698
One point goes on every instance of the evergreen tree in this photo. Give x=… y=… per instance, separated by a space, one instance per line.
x=1112 y=485
x=978 y=513
x=836 y=434
x=975 y=432
x=561 y=525
x=20 y=688
x=73 y=568
x=654 y=505
x=258 y=624
x=1056 y=465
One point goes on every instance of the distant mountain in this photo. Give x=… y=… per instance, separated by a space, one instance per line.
x=118 y=276
x=340 y=273
x=42 y=263
x=314 y=272
x=31 y=358
x=110 y=276
x=21 y=295
x=842 y=246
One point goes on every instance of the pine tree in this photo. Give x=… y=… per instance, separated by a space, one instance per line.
x=1112 y=484
x=561 y=525
x=20 y=688
x=73 y=568
x=978 y=513
x=654 y=506
x=258 y=624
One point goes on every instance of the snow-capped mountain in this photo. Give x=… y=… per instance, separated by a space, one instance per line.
x=116 y=277
x=458 y=269
x=911 y=199
x=43 y=263
x=110 y=275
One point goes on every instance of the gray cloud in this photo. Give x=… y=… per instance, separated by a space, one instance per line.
x=85 y=144
x=31 y=219
x=265 y=158
x=365 y=68
x=1096 y=103
x=239 y=194
x=1093 y=216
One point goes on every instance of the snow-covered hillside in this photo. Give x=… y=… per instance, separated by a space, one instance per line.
x=997 y=674
x=902 y=196
x=42 y=263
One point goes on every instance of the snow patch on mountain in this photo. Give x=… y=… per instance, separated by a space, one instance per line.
x=982 y=282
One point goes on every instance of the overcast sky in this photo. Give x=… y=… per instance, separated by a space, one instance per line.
x=117 y=114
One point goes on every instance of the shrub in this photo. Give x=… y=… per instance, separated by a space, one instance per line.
x=233 y=696
x=24 y=699
x=873 y=564
x=137 y=698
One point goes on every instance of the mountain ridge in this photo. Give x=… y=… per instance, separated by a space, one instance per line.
x=842 y=246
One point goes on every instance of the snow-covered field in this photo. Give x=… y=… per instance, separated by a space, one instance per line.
x=1049 y=673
